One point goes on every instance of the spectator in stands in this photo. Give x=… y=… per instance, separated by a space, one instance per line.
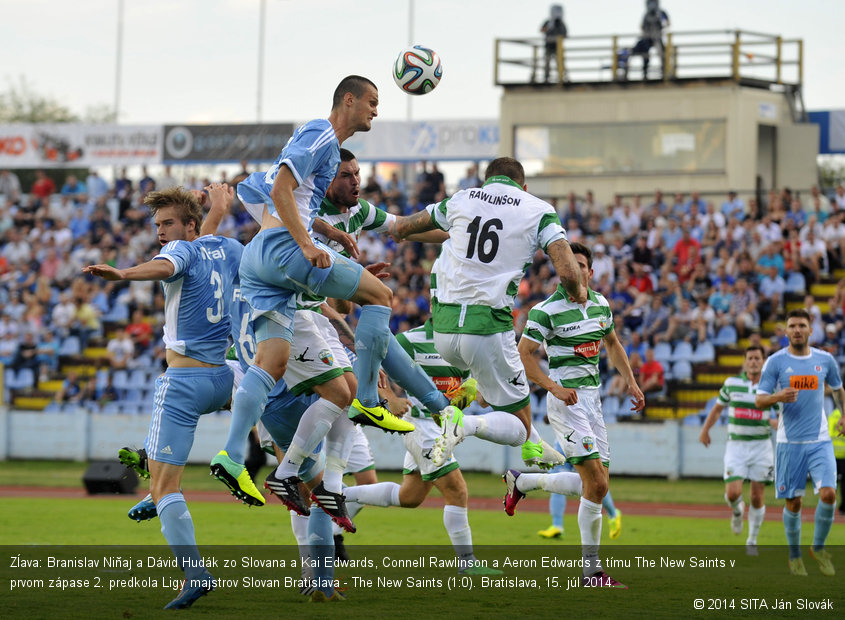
x=471 y=179
x=71 y=390
x=795 y=214
x=97 y=186
x=816 y=322
x=10 y=186
x=168 y=180
x=687 y=254
x=123 y=187
x=779 y=339
x=431 y=185
x=772 y=291
x=121 y=351
x=42 y=188
x=833 y=234
x=733 y=207
x=655 y=319
x=839 y=198
x=372 y=191
x=830 y=343
x=819 y=203
x=771 y=257
x=744 y=308
x=74 y=189
x=395 y=191
x=8 y=348
x=813 y=257
x=651 y=375
x=140 y=331
x=86 y=320
x=102 y=395
x=26 y=356
x=602 y=264
x=147 y=183
x=700 y=285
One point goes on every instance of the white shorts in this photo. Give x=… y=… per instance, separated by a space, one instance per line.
x=579 y=428
x=361 y=456
x=750 y=460
x=418 y=444
x=493 y=361
x=316 y=354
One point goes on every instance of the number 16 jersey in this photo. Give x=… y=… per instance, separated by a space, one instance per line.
x=494 y=232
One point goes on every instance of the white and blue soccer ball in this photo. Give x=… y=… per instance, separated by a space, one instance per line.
x=417 y=70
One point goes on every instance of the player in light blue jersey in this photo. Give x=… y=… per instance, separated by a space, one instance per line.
x=283 y=260
x=804 y=446
x=197 y=275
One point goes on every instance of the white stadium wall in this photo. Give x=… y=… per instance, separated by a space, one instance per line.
x=668 y=449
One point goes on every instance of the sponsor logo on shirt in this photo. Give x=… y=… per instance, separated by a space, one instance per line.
x=748 y=414
x=588 y=349
x=804 y=382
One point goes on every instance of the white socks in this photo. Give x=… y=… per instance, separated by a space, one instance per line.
x=589 y=522
x=497 y=426
x=565 y=483
x=313 y=427
x=378 y=494
x=457 y=526
x=755 y=520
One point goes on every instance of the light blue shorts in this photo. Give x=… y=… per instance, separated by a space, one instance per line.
x=281 y=417
x=182 y=395
x=795 y=460
x=273 y=270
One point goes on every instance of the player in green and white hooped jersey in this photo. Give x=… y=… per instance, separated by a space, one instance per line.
x=572 y=333
x=494 y=232
x=420 y=473
x=748 y=453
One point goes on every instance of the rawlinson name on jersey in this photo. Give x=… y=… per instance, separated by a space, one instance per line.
x=477 y=194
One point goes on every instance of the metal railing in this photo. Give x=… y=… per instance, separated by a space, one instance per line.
x=707 y=54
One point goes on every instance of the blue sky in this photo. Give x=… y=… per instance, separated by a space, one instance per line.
x=196 y=60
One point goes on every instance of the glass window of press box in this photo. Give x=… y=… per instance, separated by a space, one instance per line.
x=676 y=147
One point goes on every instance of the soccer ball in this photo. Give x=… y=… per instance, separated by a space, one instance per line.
x=417 y=70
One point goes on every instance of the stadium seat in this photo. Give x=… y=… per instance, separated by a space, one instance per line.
x=692 y=420
x=120 y=381
x=610 y=406
x=795 y=283
x=139 y=379
x=682 y=370
x=54 y=407
x=25 y=378
x=70 y=346
x=663 y=353
x=704 y=352
x=726 y=336
x=682 y=351
x=112 y=407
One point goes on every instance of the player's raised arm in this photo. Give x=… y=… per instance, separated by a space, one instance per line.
x=567 y=268
x=221 y=196
x=527 y=348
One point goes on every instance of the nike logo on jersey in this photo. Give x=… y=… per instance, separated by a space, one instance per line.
x=569 y=437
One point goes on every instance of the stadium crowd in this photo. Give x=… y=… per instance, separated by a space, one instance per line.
x=683 y=269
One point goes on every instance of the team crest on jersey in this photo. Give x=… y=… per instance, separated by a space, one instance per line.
x=326 y=357
x=818 y=368
x=587 y=442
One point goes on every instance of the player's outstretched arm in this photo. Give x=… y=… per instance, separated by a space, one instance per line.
x=404 y=226
x=567 y=268
x=151 y=270
x=527 y=348
x=619 y=359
